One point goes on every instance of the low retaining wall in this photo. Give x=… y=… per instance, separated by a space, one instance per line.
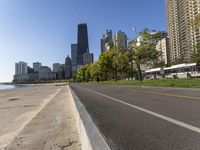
x=90 y=137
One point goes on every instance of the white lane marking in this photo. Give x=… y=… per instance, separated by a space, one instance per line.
x=174 y=121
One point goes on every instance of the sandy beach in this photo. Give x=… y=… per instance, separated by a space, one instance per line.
x=38 y=117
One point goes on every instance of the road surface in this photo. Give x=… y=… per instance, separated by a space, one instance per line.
x=144 y=118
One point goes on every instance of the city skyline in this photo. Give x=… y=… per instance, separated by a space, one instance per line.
x=46 y=35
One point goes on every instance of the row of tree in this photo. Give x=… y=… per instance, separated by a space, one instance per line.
x=120 y=63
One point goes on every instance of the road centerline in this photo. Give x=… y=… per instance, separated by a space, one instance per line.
x=168 y=119
x=165 y=94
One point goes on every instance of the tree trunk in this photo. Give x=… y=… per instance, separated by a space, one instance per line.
x=139 y=72
x=131 y=75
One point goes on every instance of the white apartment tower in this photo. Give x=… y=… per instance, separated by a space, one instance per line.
x=183 y=36
x=20 y=68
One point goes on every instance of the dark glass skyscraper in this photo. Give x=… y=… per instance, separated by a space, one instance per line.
x=82 y=42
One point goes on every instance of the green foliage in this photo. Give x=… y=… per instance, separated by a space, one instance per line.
x=117 y=63
x=196 y=54
x=94 y=70
x=145 y=52
x=81 y=73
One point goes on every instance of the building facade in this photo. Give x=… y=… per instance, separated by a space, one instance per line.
x=120 y=39
x=68 y=68
x=163 y=47
x=87 y=58
x=36 y=66
x=56 y=67
x=21 y=68
x=183 y=36
x=74 y=55
x=107 y=39
x=74 y=59
x=82 y=42
x=45 y=73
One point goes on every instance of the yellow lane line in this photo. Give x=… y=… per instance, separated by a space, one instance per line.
x=167 y=94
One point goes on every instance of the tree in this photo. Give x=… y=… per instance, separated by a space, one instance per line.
x=144 y=52
x=105 y=63
x=81 y=73
x=94 y=70
x=196 y=54
x=113 y=63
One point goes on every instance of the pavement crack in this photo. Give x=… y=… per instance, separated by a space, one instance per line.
x=67 y=145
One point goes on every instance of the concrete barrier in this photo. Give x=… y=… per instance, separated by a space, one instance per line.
x=90 y=137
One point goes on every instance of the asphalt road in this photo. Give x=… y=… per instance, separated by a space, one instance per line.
x=144 y=118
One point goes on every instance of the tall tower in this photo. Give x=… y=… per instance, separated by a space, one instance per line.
x=107 y=39
x=183 y=36
x=82 y=42
x=68 y=67
x=120 y=39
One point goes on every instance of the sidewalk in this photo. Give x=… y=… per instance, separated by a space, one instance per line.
x=52 y=128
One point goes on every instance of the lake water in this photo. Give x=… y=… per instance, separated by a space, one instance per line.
x=9 y=86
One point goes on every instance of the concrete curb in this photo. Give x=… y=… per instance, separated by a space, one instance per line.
x=90 y=137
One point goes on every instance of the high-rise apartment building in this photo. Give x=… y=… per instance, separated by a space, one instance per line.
x=107 y=39
x=163 y=47
x=183 y=36
x=20 y=68
x=36 y=66
x=82 y=42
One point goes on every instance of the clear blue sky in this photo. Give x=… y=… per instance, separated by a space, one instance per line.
x=42 y=30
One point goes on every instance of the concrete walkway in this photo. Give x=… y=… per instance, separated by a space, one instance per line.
x=39 y=117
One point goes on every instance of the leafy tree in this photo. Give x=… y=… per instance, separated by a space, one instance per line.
x=113 y=63
x=81 y=73
x=94 y=70
x=145 y=51
x=105 y=63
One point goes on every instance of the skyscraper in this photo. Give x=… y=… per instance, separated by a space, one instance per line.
x=120 y=39
x=68 y=67
x=74 y=59
x=107 y=39
x=183 y=36
x=74 y=55
x=82 y=42
x=163 y=47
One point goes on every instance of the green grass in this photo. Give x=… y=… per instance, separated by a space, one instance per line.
x=186 y=83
